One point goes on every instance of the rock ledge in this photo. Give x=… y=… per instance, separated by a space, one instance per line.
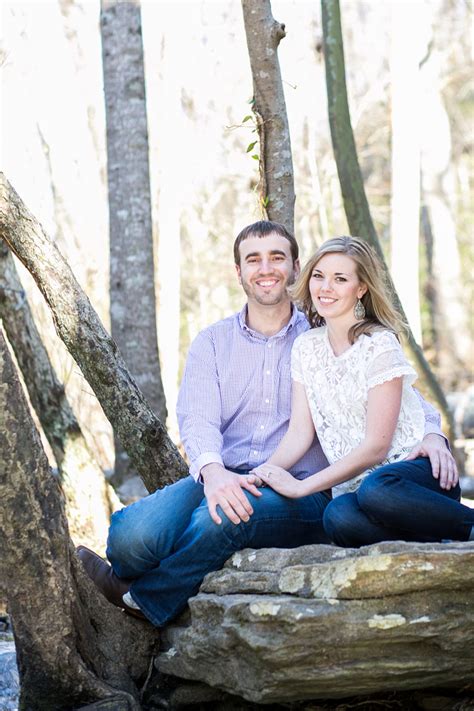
x=324 y=622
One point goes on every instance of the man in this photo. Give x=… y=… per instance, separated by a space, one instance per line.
x=233 y=409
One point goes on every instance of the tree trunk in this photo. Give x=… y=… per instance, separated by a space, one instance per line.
x=89 y=500
x=72 y=646
x=145 y=438
x=277 y=191
x=132 y=289
x=356 y=206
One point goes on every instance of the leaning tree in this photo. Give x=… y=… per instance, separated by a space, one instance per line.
x=354 y=198
x=73 y=647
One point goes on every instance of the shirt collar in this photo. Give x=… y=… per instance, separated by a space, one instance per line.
x=295 y=317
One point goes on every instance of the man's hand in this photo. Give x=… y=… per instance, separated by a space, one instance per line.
x=442 y=461
x=224 y=488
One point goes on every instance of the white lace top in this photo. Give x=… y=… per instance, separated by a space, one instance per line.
x=337 y=388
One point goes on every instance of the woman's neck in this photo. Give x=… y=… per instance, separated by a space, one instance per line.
x=338 y=334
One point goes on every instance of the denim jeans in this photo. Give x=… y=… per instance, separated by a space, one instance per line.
x=167 y=542
x=399 y=501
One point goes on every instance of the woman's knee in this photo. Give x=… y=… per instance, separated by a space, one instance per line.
x=339 y=521
x=377 y=489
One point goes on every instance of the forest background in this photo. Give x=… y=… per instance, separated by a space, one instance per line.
x=409 y=77
x=204 y=179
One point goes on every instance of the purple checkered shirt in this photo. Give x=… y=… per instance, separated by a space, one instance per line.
x=235 y=399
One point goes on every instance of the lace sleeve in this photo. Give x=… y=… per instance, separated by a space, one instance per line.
x=296 y=368
x=388 y=362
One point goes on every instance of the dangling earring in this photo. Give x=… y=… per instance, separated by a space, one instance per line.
x=359 y=310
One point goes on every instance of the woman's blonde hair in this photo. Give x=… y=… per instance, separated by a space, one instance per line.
x=379 y=309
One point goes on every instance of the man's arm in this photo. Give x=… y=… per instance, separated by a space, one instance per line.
x=436 y=446
x=199 y=418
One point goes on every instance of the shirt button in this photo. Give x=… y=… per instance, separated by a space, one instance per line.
x=262 y=427
x=269 y=345
x=268 y=372
x=255 y=451
x=267 y=400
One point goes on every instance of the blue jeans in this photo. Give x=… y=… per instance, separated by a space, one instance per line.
x=167 y=542
x=399 y=501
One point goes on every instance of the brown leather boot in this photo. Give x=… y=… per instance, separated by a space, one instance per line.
x=110 y=585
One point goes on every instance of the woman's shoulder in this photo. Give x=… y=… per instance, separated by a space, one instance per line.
x=381 y=339
x=314 y=335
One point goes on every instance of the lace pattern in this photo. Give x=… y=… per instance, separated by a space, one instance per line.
x=337 y=388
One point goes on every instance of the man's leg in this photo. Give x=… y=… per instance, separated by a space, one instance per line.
x=204 y=546
x=145 y=532
x=407 y=498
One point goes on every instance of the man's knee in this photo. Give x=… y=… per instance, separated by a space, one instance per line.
x=123 y=536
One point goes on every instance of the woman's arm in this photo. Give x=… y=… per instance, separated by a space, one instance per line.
x=383 y=409
x=300 y=434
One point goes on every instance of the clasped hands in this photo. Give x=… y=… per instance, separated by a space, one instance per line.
x=225 y=489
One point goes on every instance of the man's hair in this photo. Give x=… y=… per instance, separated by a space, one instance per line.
x=263 y=228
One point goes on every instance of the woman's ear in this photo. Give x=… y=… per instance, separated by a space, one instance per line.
x=362 y=291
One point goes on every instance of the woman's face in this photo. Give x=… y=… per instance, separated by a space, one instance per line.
x=335 y=287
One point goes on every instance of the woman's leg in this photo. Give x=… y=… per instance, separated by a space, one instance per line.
x=405 y=497
x=348 y=526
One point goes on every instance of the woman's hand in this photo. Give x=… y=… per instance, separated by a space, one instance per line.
x=279 y=479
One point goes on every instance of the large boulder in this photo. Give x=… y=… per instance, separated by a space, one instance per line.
x=324 y=622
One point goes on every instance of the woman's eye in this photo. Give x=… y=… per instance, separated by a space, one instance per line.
x=316 y=276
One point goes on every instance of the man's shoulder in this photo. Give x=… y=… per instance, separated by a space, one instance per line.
x=217 y=331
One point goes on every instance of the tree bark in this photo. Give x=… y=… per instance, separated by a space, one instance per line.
x=356 y=206
x=132 y=289
x=144 y=437
x=277 y=191
x=89 y=499
x=72 y=646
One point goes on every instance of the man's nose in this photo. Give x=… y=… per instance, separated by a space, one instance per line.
x=266 y=266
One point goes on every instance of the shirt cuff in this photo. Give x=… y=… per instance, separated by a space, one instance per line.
x=201 y=461
x=431 y=428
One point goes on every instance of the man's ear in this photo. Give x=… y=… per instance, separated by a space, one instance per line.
x=297 y=267
x=237 y=269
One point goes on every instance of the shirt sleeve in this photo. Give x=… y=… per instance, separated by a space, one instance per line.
x=390 y=362
x=296 y=367
x=199 y=406
x=387 y=361
x=432 y=418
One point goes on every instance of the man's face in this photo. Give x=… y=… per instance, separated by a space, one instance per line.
x=266 y=269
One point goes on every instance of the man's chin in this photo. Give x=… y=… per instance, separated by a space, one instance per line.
x=271 y=300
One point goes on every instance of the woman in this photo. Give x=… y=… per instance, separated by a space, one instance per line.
x=353 y=385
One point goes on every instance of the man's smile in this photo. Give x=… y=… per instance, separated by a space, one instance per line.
x=266 y=282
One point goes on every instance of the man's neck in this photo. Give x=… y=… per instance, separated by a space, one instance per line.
x=268 y=320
